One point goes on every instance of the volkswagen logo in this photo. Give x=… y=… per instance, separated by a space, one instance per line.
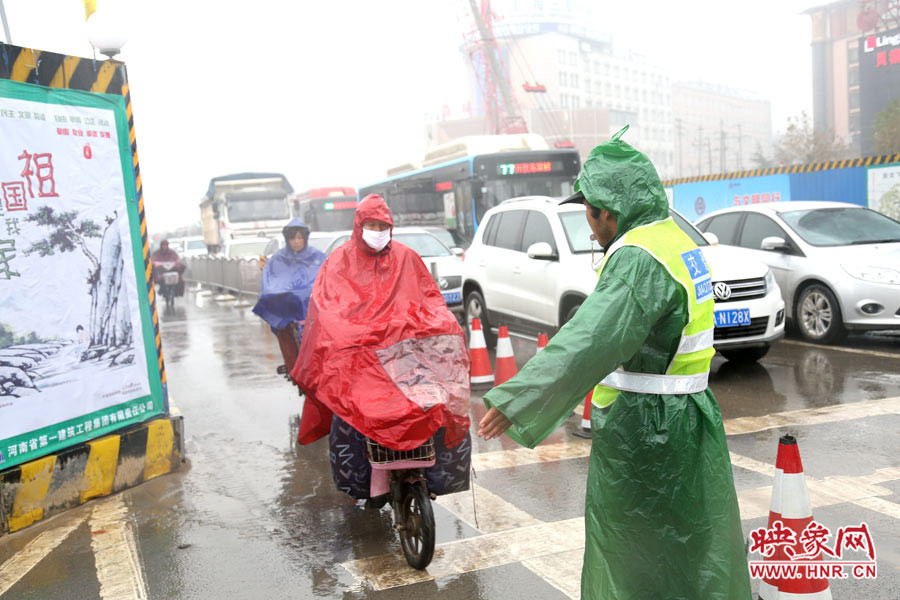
x=722 y=291
x=445 y=284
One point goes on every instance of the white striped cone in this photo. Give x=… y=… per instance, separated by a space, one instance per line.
x=586 y=415
x=479 y=362
x=791 y=506
x=543 y=340
x=506 y=362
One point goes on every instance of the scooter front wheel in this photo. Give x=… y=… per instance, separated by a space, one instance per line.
x=415 y=523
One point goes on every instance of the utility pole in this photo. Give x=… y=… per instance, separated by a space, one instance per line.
x=678 y=130
x=700 y=150
x=723 y=162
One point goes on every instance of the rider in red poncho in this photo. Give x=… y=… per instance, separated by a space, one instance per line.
x=381 y=352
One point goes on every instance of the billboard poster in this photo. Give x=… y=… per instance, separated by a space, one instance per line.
x=78 y=357
x=883 y=190
x=699 y=198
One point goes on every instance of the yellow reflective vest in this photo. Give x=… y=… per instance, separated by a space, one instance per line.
x=688 y=372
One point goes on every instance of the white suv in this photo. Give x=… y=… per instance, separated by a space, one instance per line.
x=529 y=268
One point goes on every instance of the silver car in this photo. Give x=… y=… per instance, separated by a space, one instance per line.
x=838 y=264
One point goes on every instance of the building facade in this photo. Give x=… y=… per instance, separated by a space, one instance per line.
x=856 y=67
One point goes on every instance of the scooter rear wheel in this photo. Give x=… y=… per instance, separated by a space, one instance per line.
x=415 y=523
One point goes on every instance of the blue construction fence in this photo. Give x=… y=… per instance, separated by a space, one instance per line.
x=872 y=181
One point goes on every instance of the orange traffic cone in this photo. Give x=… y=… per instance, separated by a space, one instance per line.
x=479 y=362
x=543 y=340
x=586 y=415
x=791 y=507
x=506 y=362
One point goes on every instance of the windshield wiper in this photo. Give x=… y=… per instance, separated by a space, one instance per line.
x=884 y=241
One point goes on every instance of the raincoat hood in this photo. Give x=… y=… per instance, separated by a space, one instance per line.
x=296 y=223
x=287 y=282
x=618 y=178
x=372 y=207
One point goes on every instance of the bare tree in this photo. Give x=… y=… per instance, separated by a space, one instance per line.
x=886 y=129
x=801 y=143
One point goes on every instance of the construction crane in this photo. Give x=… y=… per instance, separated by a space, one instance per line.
x=500 y=103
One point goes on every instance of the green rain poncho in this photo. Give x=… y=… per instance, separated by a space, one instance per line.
x=661 y=514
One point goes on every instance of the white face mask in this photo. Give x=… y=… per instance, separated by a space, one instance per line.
x=376 y=240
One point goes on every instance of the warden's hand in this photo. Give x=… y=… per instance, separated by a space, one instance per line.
x=493 y=424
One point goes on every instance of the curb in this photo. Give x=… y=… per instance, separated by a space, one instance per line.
x=38 y=489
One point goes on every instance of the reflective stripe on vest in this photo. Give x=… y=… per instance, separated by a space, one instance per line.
x=688 y=372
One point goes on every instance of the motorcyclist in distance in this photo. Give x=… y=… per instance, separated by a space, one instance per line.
x=287 y=281
x=164 y=259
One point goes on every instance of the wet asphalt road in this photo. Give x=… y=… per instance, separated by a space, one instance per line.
x=252 y=516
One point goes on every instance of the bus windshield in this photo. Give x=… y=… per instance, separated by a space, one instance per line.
x=335 y=213
x=241 y=210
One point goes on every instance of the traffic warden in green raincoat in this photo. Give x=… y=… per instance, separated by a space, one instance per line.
x=661 y=514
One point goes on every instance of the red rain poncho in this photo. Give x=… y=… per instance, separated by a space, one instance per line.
x=380 y=348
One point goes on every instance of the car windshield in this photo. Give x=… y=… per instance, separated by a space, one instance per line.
x=320 y=243
x=424 y=244
x=578 y=232
x=249 y=249
x=196 y=245
x=842 y=226
x=689 y=229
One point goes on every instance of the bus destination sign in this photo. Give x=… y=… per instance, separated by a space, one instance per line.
x=528 y=168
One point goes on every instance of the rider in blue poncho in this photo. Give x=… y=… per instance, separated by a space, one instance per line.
x=287 y=281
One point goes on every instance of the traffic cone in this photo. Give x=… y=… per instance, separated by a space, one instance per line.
x=586 y=415
x=506 y=362
x=542 y=342
x=790 y=505
x=479 y=362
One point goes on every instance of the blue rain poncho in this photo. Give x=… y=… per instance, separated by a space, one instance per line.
x=287 y=282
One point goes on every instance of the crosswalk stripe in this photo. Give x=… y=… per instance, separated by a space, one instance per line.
x=581 y=448
x=473 y=554
x=115 y=552
x=34 y=552
x=814 y=416
x=553 y=551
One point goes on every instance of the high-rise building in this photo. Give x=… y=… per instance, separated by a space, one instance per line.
x=717 y=129
x=856 y=67
x=590 y=89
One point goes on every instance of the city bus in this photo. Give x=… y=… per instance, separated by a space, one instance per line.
x=326 y=209
x=457 y=182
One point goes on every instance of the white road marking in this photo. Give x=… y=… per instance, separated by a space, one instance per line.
x=814 y=416
x=472 y=554
x=843 y=349
x=115 y=552
x=34 y=552
x=553 y=551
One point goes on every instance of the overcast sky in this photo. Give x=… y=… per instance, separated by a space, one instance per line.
x=334 y=92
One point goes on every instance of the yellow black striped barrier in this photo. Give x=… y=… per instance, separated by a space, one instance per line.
x=43 y=487
x=37 y=489
x=866 y=161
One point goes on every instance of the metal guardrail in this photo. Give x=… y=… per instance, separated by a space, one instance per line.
x=237 y=275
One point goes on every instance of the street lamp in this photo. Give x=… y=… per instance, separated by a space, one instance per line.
x=107 y=30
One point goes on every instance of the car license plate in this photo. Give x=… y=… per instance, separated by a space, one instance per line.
x=734 y=317
x=452 y=297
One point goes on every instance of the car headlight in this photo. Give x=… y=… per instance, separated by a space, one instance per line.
x=771 y=284
x=873 y=274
